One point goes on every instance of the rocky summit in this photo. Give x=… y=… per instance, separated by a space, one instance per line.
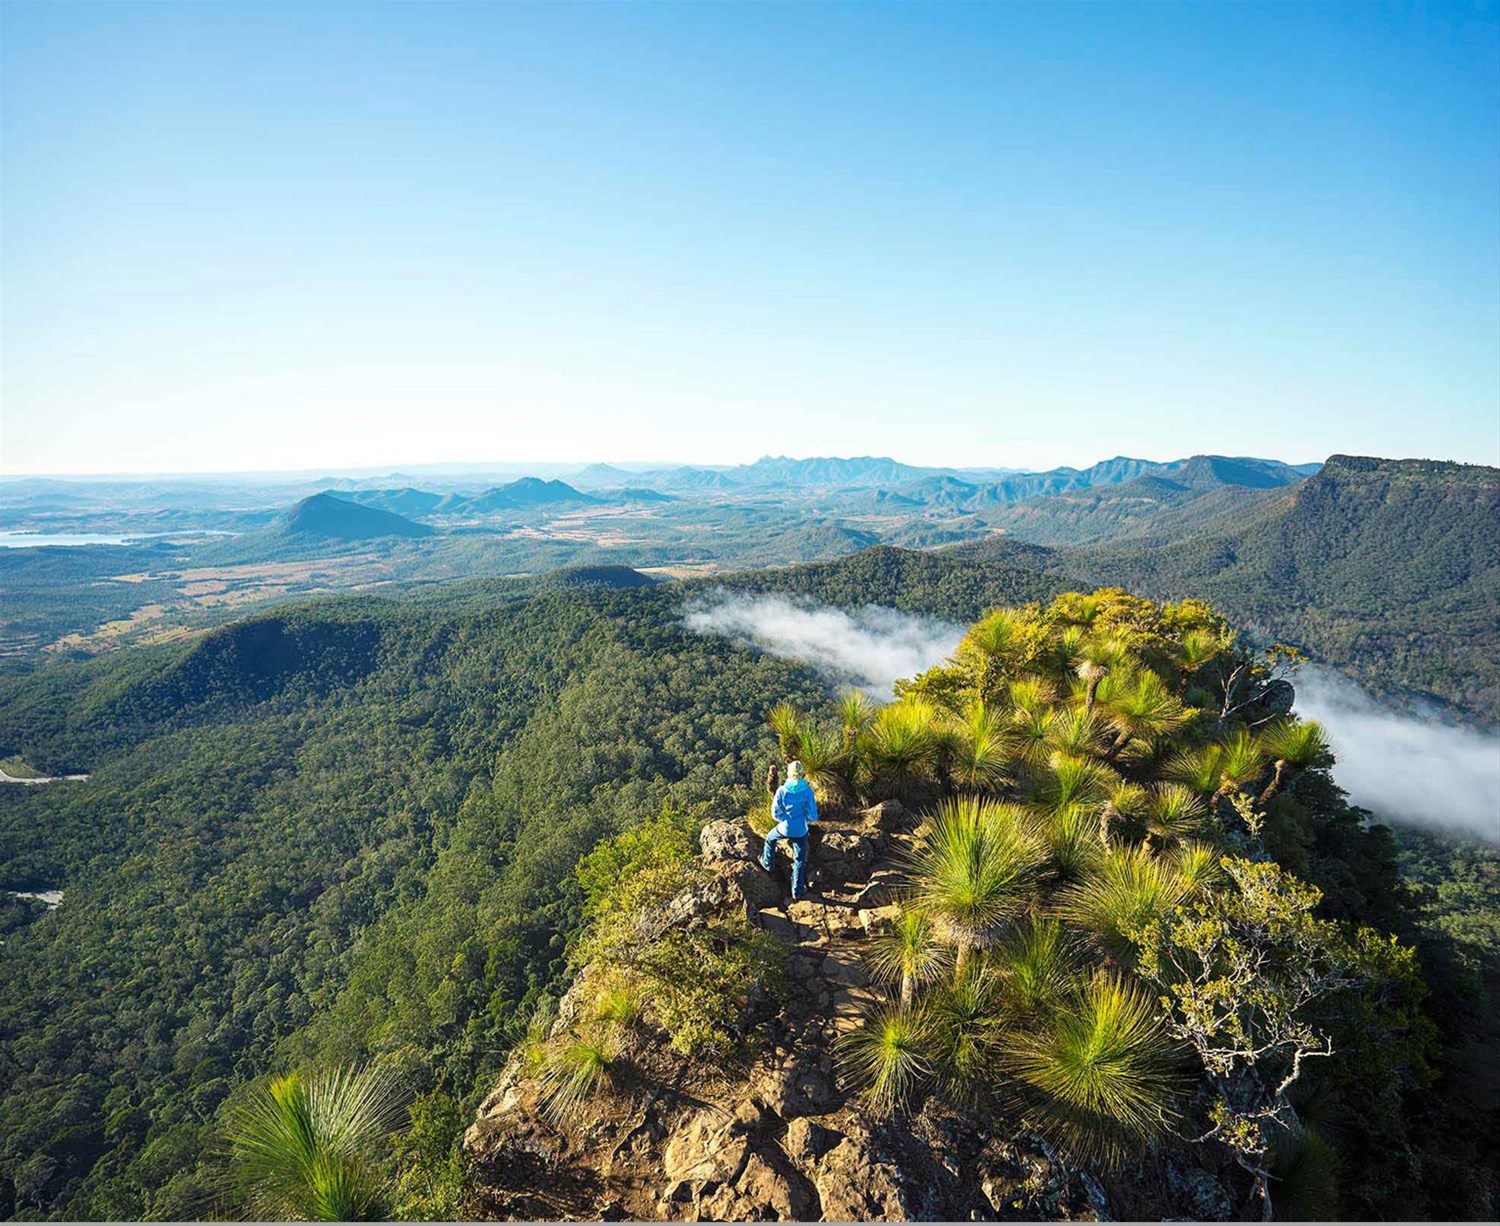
x=774 y=1133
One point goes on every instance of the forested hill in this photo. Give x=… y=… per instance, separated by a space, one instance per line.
x=343 y=829
x=1387 y=568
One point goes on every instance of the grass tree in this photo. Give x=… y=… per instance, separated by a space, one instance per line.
x=1000 y=645
x=788 y=724
x=1173 y=811
x=856 y=711
x=975 y=871
x=1035 y=965
x=1076 y=732
x=1128 y=889
x=1142 y=710
x=889 y=1054
x=1292 y=744
x=1241 y=764
x=1099 y=1076
x=1125 y=804
x=1097 y=658
x=1071 y=834
x=905 y=954
x=305 y=1147
x=1072 y=779
x=577 y=1068
x=905 y=743
x=980 y=755
x=964 y=1029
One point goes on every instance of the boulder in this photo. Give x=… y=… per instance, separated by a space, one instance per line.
x=725 y=842
x=857 y=1183
x=888 y=815
x=847 y=855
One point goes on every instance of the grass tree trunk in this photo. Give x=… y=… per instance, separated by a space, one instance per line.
x=1278 y=780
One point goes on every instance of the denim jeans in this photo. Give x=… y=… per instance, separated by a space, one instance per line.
x=799 y=857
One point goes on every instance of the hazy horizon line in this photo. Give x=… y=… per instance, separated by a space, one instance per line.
x=558 y=467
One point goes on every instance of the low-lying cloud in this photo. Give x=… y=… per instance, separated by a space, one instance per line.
x=871 y=646
x=1401 y=766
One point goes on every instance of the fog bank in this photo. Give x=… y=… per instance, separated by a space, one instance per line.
x=1407 y=768
x=872 y=646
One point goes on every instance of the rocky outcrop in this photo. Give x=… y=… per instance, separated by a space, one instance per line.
x=772 y=1133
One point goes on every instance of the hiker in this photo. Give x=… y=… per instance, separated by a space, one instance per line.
x=794 y=808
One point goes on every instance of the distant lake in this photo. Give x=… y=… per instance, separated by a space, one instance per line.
x=34 y=540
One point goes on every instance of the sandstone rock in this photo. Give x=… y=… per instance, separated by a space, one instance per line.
x=793 y=1088
x=881 y=890
x=807 y=1141
x=873 y=919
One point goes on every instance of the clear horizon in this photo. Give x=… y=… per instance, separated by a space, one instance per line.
x=264 y=238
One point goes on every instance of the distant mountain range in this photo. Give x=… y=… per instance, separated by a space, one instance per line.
x=524 y=494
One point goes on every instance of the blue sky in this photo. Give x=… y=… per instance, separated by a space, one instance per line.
x=295 y=235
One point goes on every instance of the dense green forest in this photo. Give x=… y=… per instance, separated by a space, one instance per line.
x=347 y=830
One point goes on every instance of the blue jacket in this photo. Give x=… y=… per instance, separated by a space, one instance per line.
x=794 y=807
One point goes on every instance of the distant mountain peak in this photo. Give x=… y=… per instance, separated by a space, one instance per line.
x=328 y=514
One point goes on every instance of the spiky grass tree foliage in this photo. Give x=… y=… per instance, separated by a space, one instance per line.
x=1072 y=837
x=856 y=710
x=1196 y=649
x=906 y=955
x=1076 y=732
x=828 y=762
x=304 y=1148
x=1142 y=710
x=964 y=1028
x=1001 y=645
x=975 y=871
x=1129 y=889
x=1031 y=734
x=1292 y=744
x=1241 y=763
x=1174 y=811
x=979 y=758
x=1030 y=695
x=1100 y=1076
x=1199 y=768
x=1122 y=813
x=619 y=1003
x=1198 y=865
x=890 y=1054
x=1072 y=779
x=787 y=723
x=576 y=1069
x=1036 y=968
x=905 y=743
